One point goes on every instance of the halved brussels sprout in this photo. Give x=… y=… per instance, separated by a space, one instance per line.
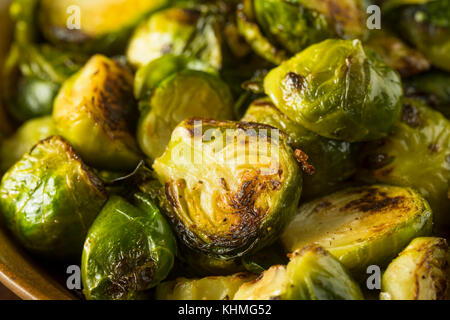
x=28 y=135
x=425 y=24
x=182 y=95
x=93 y=26
x=338 y=90
x=129 y=249
x=95 y=111
x=433 y=88
x=230 y=187
x=416 y=154
x=361 y=226
x=49 y=199
x=397 y=54
x=334 y=161
x=209 y=288
x=420 y=272
x=276 y=28
x=312 y=274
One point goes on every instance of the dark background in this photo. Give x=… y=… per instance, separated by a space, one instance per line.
x=5 y=294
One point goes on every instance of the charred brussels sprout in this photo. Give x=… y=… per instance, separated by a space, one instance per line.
x=129 y=249
x=420 y=272
x=49 y=199
x=93 y=26
x=28 y=135
x=209 y=288
x=312 y=274
x=177 y=31
x=426 y=25
x=416 y=154
x=181 y=95
x=230 y=187
x=333 y=161
x=433 y=88
x=361 y=226
x=95 y=111
x=338 y=90
x=277 y=28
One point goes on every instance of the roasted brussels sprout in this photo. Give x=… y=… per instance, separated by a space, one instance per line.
x=49 y=198
x=230 y=187
x=150 y=76
x=397 y=54
x=433 y=88
x=333 y=161
x=181 y=95
x=95 y=111
x=416 y=154
x=129 y=249
x=361 y=226
x=209 y=288
x=338 y=90
x=28 y=135
x=426 y=25
x=178 y=31
x=101 y=26
x=276 y=28
x=420 y=272
x=312 y=274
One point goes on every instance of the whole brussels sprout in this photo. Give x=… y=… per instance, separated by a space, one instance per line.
x=209 y=288
x=425 y=24
x=28 y=135
x=397 y=54
x=338 y=90
x=361 y=226
x=230 y=187
x=333 y=161
x=49 y=199
x=420 y=272
x=181 y=95
x=416 y=154
x=433 y=88
x=312 y=274
x=95 y=111
x=278 y=28
x=129 y=249
x=101 y=26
